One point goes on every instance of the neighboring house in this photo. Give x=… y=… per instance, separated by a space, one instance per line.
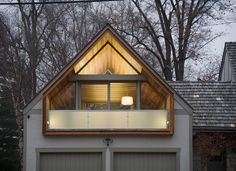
x=214 y=109
x=107 y=110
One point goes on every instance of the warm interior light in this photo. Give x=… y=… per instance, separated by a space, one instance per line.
x=127 y=100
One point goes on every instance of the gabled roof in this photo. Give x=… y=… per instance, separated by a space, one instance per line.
x=89 y=48
x=214 y=103
x=230 y=50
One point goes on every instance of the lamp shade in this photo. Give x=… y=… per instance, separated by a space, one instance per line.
x=127 y=100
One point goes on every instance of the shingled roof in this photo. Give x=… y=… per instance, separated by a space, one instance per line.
x=230 y=50
x=213 y=103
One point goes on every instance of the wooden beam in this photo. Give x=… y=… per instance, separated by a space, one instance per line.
x=107 y=78
x=109 y=96
x=138 y=95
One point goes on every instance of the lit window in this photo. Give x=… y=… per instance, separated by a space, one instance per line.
x=94 y=96
x=127 y=91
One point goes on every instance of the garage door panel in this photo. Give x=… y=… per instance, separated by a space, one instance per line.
x=140 y=161
x=70 y=162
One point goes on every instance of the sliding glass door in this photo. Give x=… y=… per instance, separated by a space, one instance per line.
x=107 y=96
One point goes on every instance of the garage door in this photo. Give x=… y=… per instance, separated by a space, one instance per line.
x=71 y=161
x=144 y=161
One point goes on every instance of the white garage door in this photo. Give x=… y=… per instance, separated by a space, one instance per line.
x=86 y=161
x=144 y=161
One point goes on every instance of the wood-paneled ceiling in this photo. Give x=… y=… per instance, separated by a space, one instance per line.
x=107 y=54
x=108 y=61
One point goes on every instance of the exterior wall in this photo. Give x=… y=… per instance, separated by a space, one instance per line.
x=227 y=70
x=182 y=139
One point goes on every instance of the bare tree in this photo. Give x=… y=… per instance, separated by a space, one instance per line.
x=72 y=27
x=170 y=31
x=24 y=50
x=31 y=44
x=13 y=75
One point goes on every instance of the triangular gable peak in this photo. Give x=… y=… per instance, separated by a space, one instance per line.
x=108 y=53
x=108 y=58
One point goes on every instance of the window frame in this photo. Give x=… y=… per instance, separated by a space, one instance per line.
x=107 y=79
x=78 y=99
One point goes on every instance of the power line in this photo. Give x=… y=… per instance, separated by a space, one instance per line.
x=54 y=2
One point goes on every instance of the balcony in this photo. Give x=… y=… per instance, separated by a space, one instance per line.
x=80 y=120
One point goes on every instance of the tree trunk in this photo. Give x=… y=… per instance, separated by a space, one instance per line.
x=168 y=74
x=180 y=74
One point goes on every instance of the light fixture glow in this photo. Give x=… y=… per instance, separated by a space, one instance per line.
x=127 y=100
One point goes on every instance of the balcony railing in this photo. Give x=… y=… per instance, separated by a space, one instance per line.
x=108 y=120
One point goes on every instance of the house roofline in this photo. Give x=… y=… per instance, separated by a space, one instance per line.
x=35 y=99
x=213 y=129
x=222 y=63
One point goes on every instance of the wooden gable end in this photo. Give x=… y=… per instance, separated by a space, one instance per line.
x=108 y=53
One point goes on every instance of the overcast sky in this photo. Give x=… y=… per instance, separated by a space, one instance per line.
x=229 y=35
x=214 y=50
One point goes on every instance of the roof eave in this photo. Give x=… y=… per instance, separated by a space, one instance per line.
x=213 y=128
